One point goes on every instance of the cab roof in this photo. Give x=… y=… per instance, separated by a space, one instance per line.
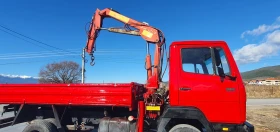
x=198 y=42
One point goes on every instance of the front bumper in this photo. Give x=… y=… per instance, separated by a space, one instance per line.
x=244 y=127
x=248 y=127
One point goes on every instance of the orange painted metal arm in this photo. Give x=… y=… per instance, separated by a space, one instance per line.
x=148 y=33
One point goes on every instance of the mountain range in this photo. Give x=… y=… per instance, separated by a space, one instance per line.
x=262 y=73
x=17 y=79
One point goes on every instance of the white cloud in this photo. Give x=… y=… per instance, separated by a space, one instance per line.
x=262 y=29
x=255 y=52
x=278 y=19
x=274 y=37
x=16 y=76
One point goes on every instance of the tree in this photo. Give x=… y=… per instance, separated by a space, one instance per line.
x=61 y=72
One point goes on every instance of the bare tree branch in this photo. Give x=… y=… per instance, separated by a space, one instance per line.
x=61 y=72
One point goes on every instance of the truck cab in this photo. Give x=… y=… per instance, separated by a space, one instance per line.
x=204 y=80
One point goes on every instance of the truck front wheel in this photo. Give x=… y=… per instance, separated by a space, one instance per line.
x=184 y=128
x=40 y=126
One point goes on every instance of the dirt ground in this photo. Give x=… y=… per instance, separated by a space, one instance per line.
x=262 y=91
x=264 y=118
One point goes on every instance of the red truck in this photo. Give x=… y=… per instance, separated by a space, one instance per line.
x=205 y=92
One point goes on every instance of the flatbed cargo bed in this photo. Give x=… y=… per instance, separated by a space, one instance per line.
x=105 y=94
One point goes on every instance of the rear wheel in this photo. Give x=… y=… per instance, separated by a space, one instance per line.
x=40 y=126
x=51 y=120
x=184 y=128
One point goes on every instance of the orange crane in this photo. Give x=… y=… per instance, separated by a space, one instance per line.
x=147 y=32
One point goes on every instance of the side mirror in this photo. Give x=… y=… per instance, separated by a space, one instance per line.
x=221 y=72
x=223 y=75
x=233 y=76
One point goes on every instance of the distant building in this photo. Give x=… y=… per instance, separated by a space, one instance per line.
x=271 y=81
x=252 y=82
x=268 y=81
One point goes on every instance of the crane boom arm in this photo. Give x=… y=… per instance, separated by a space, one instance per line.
x=148 y=33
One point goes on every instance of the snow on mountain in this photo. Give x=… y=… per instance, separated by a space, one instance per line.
x=17 y=79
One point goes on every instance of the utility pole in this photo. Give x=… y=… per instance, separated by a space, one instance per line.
x=83 y=66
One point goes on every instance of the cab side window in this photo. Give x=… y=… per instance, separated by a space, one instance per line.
x=200 y=61
x=197 y=60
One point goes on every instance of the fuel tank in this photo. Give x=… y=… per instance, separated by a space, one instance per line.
x=116 y=124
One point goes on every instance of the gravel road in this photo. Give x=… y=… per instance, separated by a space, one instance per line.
x=250 y=102
x=15 y=128
x=263 y=102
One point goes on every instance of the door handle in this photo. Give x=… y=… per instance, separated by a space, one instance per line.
x=230 y=89
x=185 y=89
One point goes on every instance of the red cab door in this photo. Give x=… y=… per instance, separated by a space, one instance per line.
x=205 y=82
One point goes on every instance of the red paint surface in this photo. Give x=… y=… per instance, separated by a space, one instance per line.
x=72 y=94
x=208 y=93
x=141 y=111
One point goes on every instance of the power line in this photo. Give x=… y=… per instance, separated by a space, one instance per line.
x=27 y=41
x=46 y=43
x=23 y=39
x=101 y=58
x=32 y=38
x=35 y=54
x=42 y=42
x=99 y=52
x=29 y=61
x=107 y=61
x=53 y=54
x=38 y=52
x=31 y=57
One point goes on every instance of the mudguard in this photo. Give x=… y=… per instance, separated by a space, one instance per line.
x=183 y=113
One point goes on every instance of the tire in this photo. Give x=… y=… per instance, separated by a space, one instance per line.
x=184 y=128
x=40 y=126
x=51 y=120
x=132 y=127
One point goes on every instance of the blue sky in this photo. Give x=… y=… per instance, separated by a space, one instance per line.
x=251 y=29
